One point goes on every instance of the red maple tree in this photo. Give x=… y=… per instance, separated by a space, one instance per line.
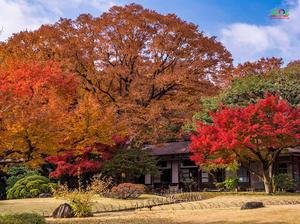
x=75 y=162
x=258 y=132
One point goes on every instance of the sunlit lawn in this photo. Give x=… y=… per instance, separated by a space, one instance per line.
x=278 y=214
x=45 y=206
x=231 y=200
x=216 y=208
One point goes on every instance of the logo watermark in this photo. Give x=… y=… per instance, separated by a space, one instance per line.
x=279 y=14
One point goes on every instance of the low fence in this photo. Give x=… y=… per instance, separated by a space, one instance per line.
x=149 y=203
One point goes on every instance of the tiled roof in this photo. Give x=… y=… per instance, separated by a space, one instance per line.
x=294 y=150
x=169 y=148
x=173 y=148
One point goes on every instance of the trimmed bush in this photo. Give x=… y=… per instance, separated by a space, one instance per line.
x=30 y=187
x=24 y=218
x=127 y=190
x=16 y=173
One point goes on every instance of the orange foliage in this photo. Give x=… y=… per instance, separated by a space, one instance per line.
x=149 y=69
x=260 y=67
x=34 y=100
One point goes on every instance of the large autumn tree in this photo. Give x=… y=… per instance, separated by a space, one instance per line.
x=255 y=133
x=151 y=68
x=34 y=98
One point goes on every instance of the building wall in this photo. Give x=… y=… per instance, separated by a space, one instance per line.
x=296 y=168
x=175 y=172
x=204 y=180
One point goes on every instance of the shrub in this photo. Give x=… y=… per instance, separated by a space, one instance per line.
x=127 y=190
x=79 y=200
x=16 y=173
x=60 y=191
x=101 y=185
x=230 y=183
x=30 y=187
x=24 y=218
x=283 y=182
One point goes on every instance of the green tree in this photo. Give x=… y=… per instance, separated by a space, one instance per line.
x=250 y=89
x=128 y=164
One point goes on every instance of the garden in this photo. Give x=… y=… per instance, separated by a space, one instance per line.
x=82 y=100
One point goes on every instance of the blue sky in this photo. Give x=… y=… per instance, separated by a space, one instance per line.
x=243 y=26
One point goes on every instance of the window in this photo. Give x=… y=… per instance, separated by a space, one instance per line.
x=204 y=177
x=166 y=176
x=186 y=174
x=243 y=175
x=282 y=168
x=187 y=163
x=164 y=164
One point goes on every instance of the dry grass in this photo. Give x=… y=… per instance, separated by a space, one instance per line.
x=230 y=200
x=278 y=214
x=42 y=206
x=45 y=206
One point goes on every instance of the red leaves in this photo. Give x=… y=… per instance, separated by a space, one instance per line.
x=270 y=123
x=26 y=79
x=74 y=164
x=35 y=100
x=87 y=160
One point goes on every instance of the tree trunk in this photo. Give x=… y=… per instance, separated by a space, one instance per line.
x=268 y=179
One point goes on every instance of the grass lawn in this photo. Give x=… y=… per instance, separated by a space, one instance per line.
x=274 y=214
x=45 y=206
x=216 y=208
x=232 y=200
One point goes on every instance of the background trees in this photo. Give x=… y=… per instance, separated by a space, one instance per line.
x=257 y=132
x=150 y=68
x=250 y=88
x=262 y=66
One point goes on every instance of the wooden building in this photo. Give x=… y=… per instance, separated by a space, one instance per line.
x=178 y=171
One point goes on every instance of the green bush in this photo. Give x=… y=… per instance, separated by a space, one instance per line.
x=16 y=173
x=283 y=182
x=24 y=218
x=30 y=187
x=127 y=190
x=229 y=184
